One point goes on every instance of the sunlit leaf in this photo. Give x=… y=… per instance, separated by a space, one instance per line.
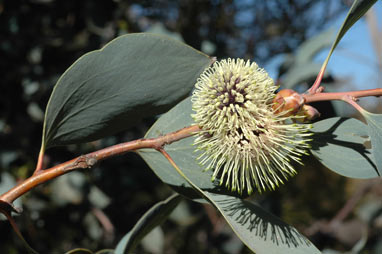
x=261 y=231
x=341 y=145
x=108 y=90
x=152 y=218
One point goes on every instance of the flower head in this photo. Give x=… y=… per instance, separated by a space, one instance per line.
x=248 y=143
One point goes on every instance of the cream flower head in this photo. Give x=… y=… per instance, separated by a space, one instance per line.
x=243 y=139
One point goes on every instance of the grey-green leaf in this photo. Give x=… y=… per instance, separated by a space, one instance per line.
x=261 y=231
x=374 y=128
x=152 y=218
x=341 y=145
x=108 y=90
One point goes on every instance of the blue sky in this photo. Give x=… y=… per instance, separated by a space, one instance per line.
x=354 y=58
x=355 y=55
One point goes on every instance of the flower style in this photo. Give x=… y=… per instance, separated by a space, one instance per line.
x=244 y=138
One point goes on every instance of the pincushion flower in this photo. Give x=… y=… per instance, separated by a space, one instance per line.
x=245 y=139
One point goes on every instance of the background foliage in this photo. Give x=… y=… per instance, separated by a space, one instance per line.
x=95 y=209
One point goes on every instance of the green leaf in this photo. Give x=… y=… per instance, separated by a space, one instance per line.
x=182 y=153
x=374 y=129
x=107 y=90
x=152 y=218
x=339 y=144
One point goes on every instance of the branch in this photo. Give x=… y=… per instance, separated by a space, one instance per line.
x=90 y=159
x=309 y=98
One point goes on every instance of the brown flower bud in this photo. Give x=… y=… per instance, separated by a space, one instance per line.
x=288 y=101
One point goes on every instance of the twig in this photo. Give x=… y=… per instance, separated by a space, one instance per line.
x=309 y=98
x=317 y=82
x=352 y=101
x=90 y=159
x=40 y=163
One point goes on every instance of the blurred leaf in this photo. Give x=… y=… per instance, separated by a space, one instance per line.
x=182 y=215
x=374 y=129
x=339 y=144
x=93 y=227
x=107 y=90
x=301 y=67
x=182 y=153
x=98 y=198
x=69 y=189
x=152 y=218
x=7 y=157
x=299 y=74
x=310 y=48
x=153 y=242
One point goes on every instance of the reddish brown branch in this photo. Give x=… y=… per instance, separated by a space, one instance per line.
x=309 y=98
x=90 y=159
x=40 y=160
x=317 y=82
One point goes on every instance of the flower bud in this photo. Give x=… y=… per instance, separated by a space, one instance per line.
x=307 y=113
x=288 y=101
